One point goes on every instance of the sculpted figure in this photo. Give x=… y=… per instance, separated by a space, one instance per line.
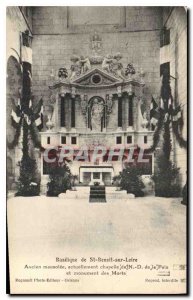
x=85 y=64
x=96 y=115
x=117 y=67
x=106 y=65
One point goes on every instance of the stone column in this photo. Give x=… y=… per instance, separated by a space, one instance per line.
x=73 y=107
x=124 y=112
x=56 y=117
x=120 y=112
x=61 y=104
x=69 y=105
x=120 y=108
x=73 y=112
x=130 y=112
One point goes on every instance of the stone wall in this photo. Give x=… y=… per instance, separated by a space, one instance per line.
x=55 y=38
x=175 y=19
x=15 y=23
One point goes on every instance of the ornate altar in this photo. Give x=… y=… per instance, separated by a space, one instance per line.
x=95 y=91
x=97 y=101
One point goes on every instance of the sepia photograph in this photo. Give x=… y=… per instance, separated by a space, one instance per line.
x=96 y=136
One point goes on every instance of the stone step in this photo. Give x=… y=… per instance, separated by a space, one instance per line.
x=97 y=188
x=97 y=194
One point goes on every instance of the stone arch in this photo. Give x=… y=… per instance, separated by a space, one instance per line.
x=13 y=53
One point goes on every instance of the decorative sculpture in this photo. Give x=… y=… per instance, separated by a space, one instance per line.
x=62 y=73
x=75 y=67
x=130 y=70
x=84 y=105
x=84 y=64
x=107 y=63
x=97 y=111
x=110 y=63
x=96 y=59
x=109 y=104
x=96 y=42
x=117 y=67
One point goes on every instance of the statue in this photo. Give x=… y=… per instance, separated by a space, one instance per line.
x=75 y=67
x=96 y=114
x=106 y=64
x=117 y=67
x=84 y=64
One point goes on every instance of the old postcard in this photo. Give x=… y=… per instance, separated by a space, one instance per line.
x=97 y=149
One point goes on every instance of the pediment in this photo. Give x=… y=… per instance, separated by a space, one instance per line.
x=96 y=77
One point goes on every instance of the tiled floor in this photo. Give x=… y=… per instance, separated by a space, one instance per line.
x=41 y=228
